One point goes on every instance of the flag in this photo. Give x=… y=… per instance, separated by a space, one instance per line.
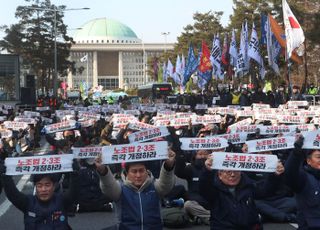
x=169 y=69
x=155 y=68
x=160 y=75
x=280 y=36
x=225 y=51
x=263 y=40
x=205 y=66
x=273 y=49
x=177 y=73
x=294 y=33
x=216 y=57
x=233 y=49
x=254 y=50
x=191 y=65
x=84 y=58
x=164 y=72
x=243 y=60
x=183 y=65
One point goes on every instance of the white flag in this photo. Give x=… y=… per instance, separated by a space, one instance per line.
x=164 y=72
x=254 y=50
x=242 y=60
x=169 y=70
x=294 y=33
x=233 y=49
x=177 y=74
x=215 y=57
x=84 y=58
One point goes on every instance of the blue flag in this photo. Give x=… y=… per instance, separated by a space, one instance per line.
x=264 y=27
x=191 y=66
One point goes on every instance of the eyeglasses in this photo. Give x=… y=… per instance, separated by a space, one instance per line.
x=230 y=172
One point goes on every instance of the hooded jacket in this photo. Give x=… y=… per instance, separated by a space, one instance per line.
x=138 y=208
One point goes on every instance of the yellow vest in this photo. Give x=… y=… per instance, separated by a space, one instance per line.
x=236 y=99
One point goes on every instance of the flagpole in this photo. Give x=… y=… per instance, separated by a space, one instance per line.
x=87 y=70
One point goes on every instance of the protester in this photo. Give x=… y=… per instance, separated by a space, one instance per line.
x=196 y=206
x=303 y=176
x=47 y=208
x=138 y=196
x=231 y=196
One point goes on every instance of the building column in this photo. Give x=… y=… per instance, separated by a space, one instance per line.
x=95 y=69
x=120 y=70
x=69 y=79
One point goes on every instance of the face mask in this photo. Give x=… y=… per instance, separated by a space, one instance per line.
x=70 y=138
x=178 y=132
x=199 y=163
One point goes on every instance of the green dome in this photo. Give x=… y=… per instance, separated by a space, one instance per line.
x=101 y=30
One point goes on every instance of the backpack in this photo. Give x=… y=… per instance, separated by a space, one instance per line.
x=174 y=217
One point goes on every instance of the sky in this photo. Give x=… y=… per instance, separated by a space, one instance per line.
x=147 y=18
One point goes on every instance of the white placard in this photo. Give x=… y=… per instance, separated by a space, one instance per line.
x=134 y=112
x=234 y=138
x=25 y=120
x=246 y=121
x=123 y=121
x=206 y=119
x=260 y=106
x=244 y=162
x=285 y=129
x=87 y=123
x=208 y=142
x=245 y=113
x=31 y=114
x=6 y=133
x=270 y=144
x=62 y=113
x=3 y=118
x=311 y=140
x=245 y=129
x=46 y=108
x=291 y=119
x=87 y=152
x=84 y=115
x=296 y=104
x=148 y=134
x=61 y=126
x=39 y=164
x=15 y=125
x=140 y=125
x=185 y=121
x=135 y=152
x=201 y=107
x=265 y=116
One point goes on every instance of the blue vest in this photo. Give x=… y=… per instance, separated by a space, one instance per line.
x=140 y=210
x=308 y=202
x=45 y=216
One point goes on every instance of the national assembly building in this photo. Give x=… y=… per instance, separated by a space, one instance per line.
x=108 y=53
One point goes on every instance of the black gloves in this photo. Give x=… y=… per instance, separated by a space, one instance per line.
x=3 y=168
x=299 y=143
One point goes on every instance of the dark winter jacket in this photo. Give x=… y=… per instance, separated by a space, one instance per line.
x=305 y=182
x=233 y=211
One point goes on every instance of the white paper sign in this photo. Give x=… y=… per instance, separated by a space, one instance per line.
x=86 y=123
x=291 y=119
x=260 y=106
x=61 y=126
x=234 y=138
x=140 y=125
x=31 y=114
x=6 y=133
x=180 y=122
x=15 y=125
x=244 y=162
x=39 y=164
x=148 y=134
x=87 y=152
x=245 y=129
x=206 y=119
x=270 y=144
x=296 y=104
x=46 y=108
x=135 y=152
x=201 y=107
x=26 y=120
x=311 y=140
x=203 y=143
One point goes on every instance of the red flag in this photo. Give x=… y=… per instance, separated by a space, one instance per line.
x=225 y=51
x=205 y=63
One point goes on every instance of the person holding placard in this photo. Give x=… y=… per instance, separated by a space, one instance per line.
x=47 y=208
x=231 y=196
x=138 y=196
x=303 y=176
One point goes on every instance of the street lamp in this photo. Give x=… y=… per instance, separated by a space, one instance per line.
x=55 y=10
x=165 y=34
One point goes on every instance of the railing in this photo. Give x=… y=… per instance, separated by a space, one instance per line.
x=314 y=99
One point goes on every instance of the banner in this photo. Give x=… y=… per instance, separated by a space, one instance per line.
x=31 y=114
x=285 y=129
x=291 y=119
x=86 y=123
x=87 y=152
x=123 y=121
x=6 y=133
x=203 y=143
x=40 y=109
x=39 y=164
x=15 y=125
x=25 y=120
x=201 y=107
x=296 y=104
x=180 y=122
x=135 y=152
x=244 y=128
x=61 y=126
x=148 y=134
x=245 y=162
x=270 y=144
